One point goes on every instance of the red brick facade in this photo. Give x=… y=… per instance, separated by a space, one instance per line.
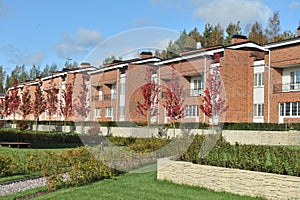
x=115 y=89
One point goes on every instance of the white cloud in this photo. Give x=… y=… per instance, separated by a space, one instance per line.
x=294 y=5
x=225 y=11
x=162 y=44
x=80 y=43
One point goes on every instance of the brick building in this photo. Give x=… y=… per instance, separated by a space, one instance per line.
x=260 y=83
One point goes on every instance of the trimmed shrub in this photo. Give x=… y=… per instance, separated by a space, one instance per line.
x=272 y=159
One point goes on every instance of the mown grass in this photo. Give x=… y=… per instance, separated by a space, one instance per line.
x=138 y=186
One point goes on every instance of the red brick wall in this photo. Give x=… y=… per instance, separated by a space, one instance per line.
x=283 y=56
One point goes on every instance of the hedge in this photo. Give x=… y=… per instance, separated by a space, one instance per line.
x=13 y=135
x=272 y=159
x=189 y=125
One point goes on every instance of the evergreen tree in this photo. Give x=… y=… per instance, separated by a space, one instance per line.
x=2 y=77
x=231 y=30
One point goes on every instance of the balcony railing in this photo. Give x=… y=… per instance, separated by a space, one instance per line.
x=187 y=93
x=287 y=87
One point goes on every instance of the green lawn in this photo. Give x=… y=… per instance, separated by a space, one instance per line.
x=138 y=186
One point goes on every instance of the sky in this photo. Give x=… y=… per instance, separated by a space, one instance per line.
x=44 y=32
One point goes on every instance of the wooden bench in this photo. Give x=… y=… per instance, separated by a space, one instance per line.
x=15 y=144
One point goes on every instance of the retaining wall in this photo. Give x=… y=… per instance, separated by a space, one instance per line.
x=232 y=136
x=242 y=182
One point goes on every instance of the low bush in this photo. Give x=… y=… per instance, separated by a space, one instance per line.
x=272 y=159
x=141 y=145
x=13 y=135
x=62 y=169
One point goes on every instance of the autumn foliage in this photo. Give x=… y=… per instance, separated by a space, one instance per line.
x=213 y=104
x=150 y=92
x=66 y=104
x=174 y=98
x=26 y=105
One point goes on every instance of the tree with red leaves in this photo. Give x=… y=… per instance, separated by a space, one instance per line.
x=213 y=105
x=6 y=109
x=66 y=104
x=25 y=106
x=38 y=105
x=14 y=100
x=81 y=106
x=150 y=92
x=51 y=100
x=174 y=99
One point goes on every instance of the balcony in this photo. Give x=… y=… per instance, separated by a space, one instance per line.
x=110 y=96
x=187 y=93
x=286 y=87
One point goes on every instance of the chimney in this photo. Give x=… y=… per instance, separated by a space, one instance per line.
x=238 y=39
x=84 y=64
x=145 y=54
x=298 y=30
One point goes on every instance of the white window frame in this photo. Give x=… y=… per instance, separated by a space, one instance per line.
x=114 y=91
x=289 y=109
x=196 y=85
x=97 y=112
x=191 y=111
x=259 y=79
x=258 y=110
x=122 y=111
x=109 y=111
x=100 y=93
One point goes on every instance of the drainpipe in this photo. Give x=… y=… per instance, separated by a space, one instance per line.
x=204 y=117
x=117 y=97
x=269 y=84
x=158 y=105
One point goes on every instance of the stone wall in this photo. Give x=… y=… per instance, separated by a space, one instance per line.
x=232 y=136
x=262 y=137
x=242 y=182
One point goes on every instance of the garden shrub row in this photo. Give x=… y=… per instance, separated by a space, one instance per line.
x=272 y=159
x=62 y=169
x=187 y=125
x=142 y=145
x=14 y=135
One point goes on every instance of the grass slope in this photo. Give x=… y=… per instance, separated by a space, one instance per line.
x=138 y=186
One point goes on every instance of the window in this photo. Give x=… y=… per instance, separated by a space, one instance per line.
x=122 y=111
x=282 y=109
x=100 y=93
x=123 y=88
x=197 y=85
x=289 y=109
x=259 y=79
x=97 y=112
x=294 y=109
x=109 y=111
x=191 y=111
x=114 y=91
x=295 y=80
x=258 y=110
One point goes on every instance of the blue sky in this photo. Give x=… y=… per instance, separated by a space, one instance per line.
x=44 y=32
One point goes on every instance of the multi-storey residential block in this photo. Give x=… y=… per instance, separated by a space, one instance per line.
x=260 y=83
